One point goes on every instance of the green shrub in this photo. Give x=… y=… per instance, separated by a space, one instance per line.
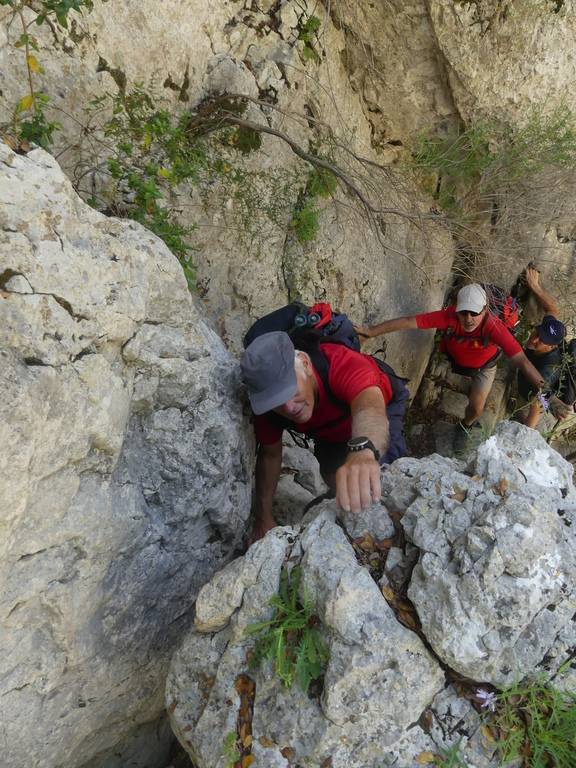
x=290 y=639
x=537 y=725
x=308 y=34
x=487 y=156
x=305 y=221
x=29 y=122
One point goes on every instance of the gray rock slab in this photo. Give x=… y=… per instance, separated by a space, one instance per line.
x=496 y=578
x=378 y=672
x=124 y=471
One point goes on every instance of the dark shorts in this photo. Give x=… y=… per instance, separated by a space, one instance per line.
x=331 y=456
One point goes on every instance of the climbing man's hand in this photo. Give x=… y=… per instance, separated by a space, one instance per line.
x=358 y=481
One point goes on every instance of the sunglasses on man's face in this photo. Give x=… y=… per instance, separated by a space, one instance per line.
x=469 y=312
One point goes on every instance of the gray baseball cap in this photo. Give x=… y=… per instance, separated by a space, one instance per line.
x=269 y=372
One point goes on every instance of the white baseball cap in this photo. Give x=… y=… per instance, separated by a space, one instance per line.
x=471 y=298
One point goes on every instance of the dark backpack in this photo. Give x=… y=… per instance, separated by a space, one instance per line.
x=309 y=328
x=300 y=321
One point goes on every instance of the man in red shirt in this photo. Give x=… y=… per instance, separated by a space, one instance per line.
x=356 y=423
x=473 y=341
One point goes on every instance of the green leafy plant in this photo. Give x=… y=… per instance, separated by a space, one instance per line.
x=150 y=152
x=306 y=217
x=450 y=758
x=291 y=639
x=488 y=156
x=308 y=34
x=537 y=725
x=230 y=751
x=29 y=121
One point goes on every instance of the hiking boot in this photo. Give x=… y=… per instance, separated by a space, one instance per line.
x=464 y=437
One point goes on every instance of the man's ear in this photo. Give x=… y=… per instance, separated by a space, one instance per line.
x=306 y=362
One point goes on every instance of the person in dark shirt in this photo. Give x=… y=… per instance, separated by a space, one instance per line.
x=542 y=349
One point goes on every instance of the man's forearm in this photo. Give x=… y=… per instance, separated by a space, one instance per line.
x=372 y=422
x=530 y=372
x=268 y=467
x=546 y=300
x=396 y=324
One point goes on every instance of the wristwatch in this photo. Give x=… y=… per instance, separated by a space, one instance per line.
x=356 y=444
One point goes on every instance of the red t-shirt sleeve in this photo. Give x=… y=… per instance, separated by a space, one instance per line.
x=266 y=431
x=351 y=373
x=440 y=319
x=500 y=335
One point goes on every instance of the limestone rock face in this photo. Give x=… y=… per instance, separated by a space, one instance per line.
x=506 y=60
x=379 y=673
x=124 y=470
x=496 y=578
x=250 y=261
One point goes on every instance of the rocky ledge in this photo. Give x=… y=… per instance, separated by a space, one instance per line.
x=473 y=584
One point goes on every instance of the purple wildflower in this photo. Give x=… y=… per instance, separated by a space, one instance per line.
x=544 y=401
x=487 y=699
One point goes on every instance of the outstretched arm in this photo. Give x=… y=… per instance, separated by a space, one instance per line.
x=358 y=479
x=559 y=409
x=268 y=466
x=397 y=324
x=544 y=299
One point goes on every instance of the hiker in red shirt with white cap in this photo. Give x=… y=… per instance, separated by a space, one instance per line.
x=473 y=341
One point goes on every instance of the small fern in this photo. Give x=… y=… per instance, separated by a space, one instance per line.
x=291 y=639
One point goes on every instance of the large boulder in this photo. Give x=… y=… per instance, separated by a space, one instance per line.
x=496 y=579
x=378 y=680
x=124 y=470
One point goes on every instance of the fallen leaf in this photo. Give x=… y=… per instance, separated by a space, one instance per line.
x=266 y=742
x=459 y=494
x=287 y=752
x=408 y=619
x=389 y=594
x=247 y=741
x=383 y=546
x=438 y=488
x=427 y=720
x=245 y=731
x=244 y=684
x=365 y=543
x=326 y=763
x=244 y=712
x=172 y=706
x=486 y=731
x=501 y=487
x=425 y=758
x=247 y=761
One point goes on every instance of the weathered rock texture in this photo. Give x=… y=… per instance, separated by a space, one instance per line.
x=496 y=578
x=378 y=675
x=494 y=588
x=247 y=261
x=124 y=477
